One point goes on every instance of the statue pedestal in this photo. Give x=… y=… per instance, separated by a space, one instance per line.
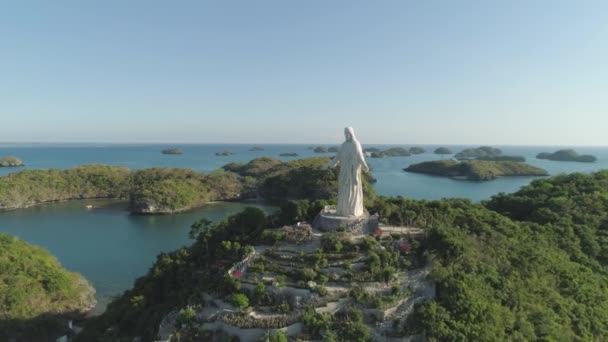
x=328 y=221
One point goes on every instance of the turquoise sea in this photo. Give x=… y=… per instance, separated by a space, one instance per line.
x=112 y=248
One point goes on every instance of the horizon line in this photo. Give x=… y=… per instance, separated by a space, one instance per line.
x=272 y=143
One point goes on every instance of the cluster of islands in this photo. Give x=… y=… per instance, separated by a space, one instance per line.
x=430 y=270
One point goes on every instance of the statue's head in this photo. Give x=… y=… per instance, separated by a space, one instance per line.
x=349 y=134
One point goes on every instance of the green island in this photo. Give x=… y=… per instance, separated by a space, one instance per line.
x=172 y=190
x=10 y=162
x=417 y=150
x=224 y=153
x=473 y=153
x=443 y=151
x=392 y=152
x=484 y=153
x=288 y=154
x=320 y=149
x=567 y=155
x=175 y=151
x=476 y=170
x=256 y=148
x=37 y=295
x=528 y=266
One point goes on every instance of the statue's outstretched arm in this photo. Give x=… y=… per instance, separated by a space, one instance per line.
x=333 y=163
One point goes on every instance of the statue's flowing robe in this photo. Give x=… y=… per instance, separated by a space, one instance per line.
x=350 y=190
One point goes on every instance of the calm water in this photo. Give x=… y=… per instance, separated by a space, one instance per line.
x=111 y=248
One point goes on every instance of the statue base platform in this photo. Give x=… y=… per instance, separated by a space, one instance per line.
x=328 y=221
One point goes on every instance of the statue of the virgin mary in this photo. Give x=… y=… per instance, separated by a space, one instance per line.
x=350 y=190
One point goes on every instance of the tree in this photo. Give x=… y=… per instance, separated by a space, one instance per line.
x=330 y=336
x=278 y=336
x=240 y=301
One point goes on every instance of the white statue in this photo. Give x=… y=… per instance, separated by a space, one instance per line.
x=350 y=190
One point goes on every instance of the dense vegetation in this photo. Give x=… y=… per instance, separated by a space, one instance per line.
x=170 y=190
x=473 y=153
x=294 y=179
x=36 y=293
x=537 y=272
x=172 y=151
x=520 y=267
x=10 y=162
x=30 y=187
x=567 y=155
x=476 y=170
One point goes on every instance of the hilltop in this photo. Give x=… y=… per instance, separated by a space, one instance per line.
x=517 y=267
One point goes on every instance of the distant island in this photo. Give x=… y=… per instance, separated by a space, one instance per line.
x=476 y=170
x=443 y=151
x=392 y=152
x=224 y=153
x=473 y=153
x=567 y=155
x=288 y=154
x=172 y=151
x=320 y=149
x=10 y=162
x=485 y=153
x=417 y=150
x=256 y=148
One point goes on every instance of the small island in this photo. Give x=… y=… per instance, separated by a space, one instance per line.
x=256 y=148
x=10 y=162
x=567 y=155
x=476 y=170
x=417 y=150
x=173 y=151
x=288 y=154
x=392 y=152
x=443 y=151
x=224 y=153
x=486 y=153
x=473 y=153
x=320 y=149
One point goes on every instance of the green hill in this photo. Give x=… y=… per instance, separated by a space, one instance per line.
x=528 y=266
x=37 y=294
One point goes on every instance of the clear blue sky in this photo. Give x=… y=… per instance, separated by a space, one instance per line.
x=460 y=72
